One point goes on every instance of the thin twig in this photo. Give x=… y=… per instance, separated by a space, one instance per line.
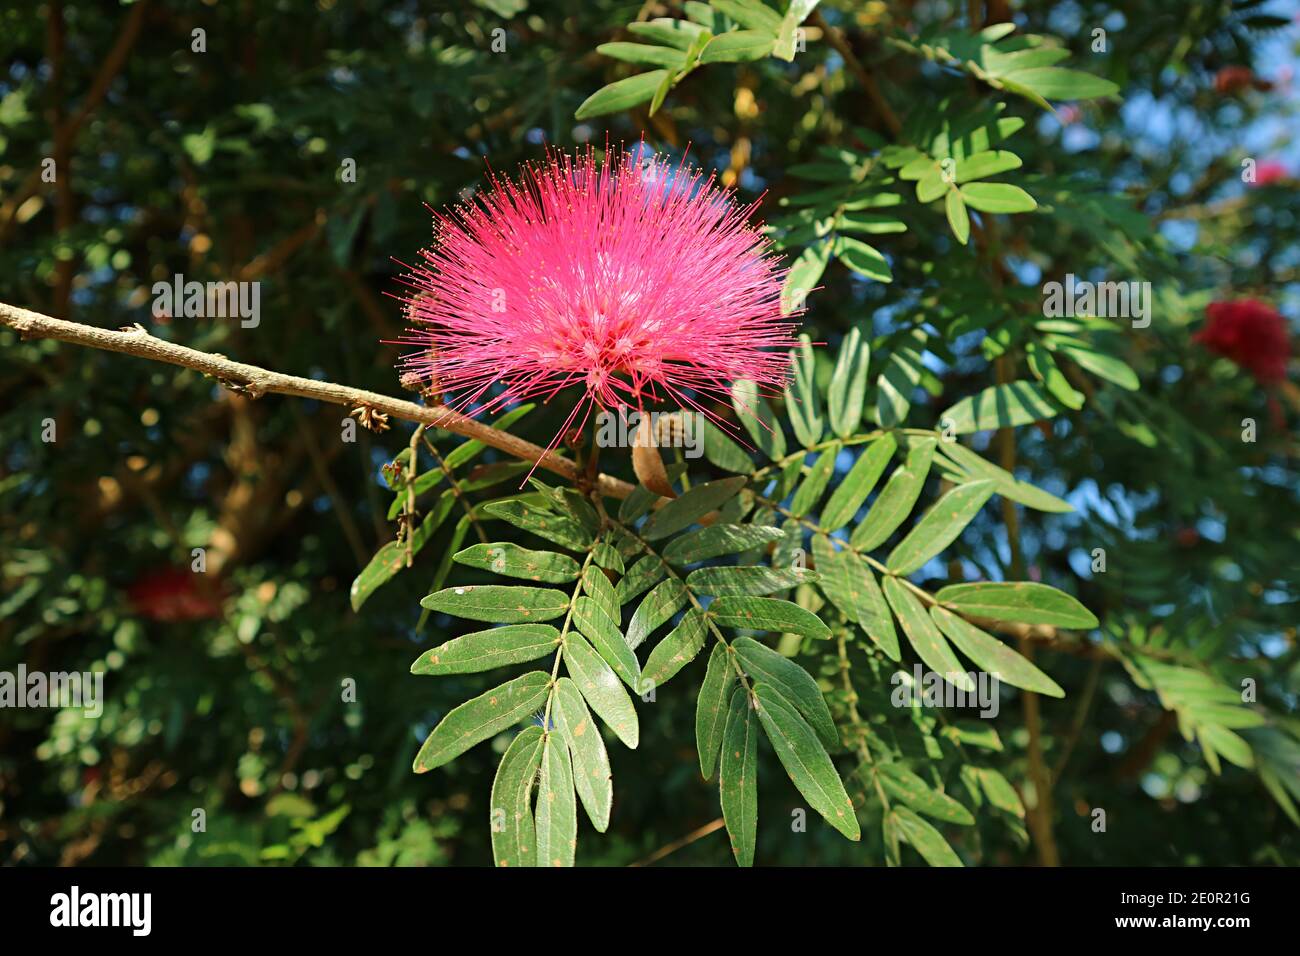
x=255 y=382
x=697 y=834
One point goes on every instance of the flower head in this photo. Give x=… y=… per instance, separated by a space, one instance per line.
x=636 y=280
x=1251 y=334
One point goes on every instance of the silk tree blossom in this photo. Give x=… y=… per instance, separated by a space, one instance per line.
x=639 y=281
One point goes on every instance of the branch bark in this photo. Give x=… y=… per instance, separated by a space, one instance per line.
x=256 y=382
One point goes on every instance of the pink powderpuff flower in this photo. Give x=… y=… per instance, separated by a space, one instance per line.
x=633 y=279
x=1251 y=334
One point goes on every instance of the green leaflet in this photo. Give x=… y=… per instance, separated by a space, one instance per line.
x=608 y=641
x=637 y=504
x=896 y=499
x=998 y=791
x=848 y=582
x=958 y=218
x=643 y=575
x=717 y=540
x=484 y=650
x=557 y=808
x=499 y=603
x=768 y=614
x=738 y=777
x=895 y=386
x=1008 y=486
x=805 y=272
x=591 y=774
x=992 y=655
x=643 y=53
x=756 y=415
x=514 y=838
x=659 y=605
x=681 y=513
x=848 y=388
x=738 y=46
x=711 y=708
x=675 y=651
x=719 y=581
x=940 y=526
x=999 y=406
x=924 y=636
x=516 y=562
x=621 y=94
x=792 y=682
x=849 y=495
x=723 y=452
x=928 y=841
x=597 y=587
x=810 y=491
x=478 y=719
x=554 y=528
x=806 y=761
x=606 y=556
x=1025 y=602
x=902 y=784
x=802 y=398
x=997 y=198
x=599 y=685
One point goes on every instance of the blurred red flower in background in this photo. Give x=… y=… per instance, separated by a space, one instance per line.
x=1234 y=79
x=1250 y=333
x=174 y=594
x=1271 y=171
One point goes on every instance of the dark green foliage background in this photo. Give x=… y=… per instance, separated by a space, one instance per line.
x=226 y=164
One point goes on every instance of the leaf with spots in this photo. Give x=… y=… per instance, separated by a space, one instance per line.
x=484 y=650
x=849 y=494
x=557 y=529
x=721 y=581
x=483 y=717
x=676 y=650
x=896 y=499
x=597 y=587
x=608 y=641
x=806 y=761
x=791 y=681
x=1024 y=602
x=904 y=785
x=557 y=807
x=928 y=841
x=600 y=686
x=499 y=603
x=940 y=526
x=659 y=605
x=992 y=655
x=682 y=512
x=848 y=582
x=513 y=561
x=768 y=614
x=718 y=540
x=591 y=774
x=711 y=708
x=924 y=636
x=738 y=777
x=514 y=837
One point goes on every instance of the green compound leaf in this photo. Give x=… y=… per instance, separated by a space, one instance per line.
x=849 y=495
x=896 y=499
x=680 y=513
x=718 y=540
